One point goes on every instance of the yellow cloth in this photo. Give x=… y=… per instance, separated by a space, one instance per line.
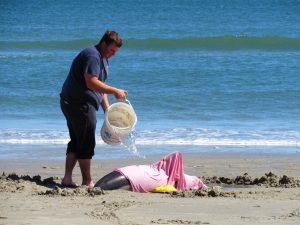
x=164 y=188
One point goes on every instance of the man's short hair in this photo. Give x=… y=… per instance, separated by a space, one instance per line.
x=110 y=37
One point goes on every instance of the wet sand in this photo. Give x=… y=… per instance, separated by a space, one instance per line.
x=243 y=189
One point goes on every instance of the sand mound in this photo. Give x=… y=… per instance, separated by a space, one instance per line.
x=268 y=180
x=51 y=186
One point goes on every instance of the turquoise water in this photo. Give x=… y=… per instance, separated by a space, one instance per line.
x=201 y=75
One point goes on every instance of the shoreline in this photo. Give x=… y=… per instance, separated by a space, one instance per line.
x=106 y=152
x=205 y=163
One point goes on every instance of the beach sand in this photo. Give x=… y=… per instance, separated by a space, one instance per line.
x=32 y=195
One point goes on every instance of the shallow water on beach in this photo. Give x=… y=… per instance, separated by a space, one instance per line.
x=104 y=152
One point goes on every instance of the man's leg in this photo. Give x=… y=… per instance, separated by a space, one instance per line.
x=85 y=150
x=85 y=167
x=70 y=164
x=82 y=125
x=71 y=159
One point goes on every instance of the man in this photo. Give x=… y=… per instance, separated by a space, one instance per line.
x=83 y=91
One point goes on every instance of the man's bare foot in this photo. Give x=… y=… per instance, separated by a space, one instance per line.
x=88 y=184
x=68 y=183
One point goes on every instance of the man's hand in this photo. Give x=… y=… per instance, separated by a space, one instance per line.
x=120 y=94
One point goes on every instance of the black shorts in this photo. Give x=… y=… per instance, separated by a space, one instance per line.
x=81 y=121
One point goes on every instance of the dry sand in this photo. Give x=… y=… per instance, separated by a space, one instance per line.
x=242 y=191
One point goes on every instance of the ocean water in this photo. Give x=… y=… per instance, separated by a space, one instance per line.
x=201 y=75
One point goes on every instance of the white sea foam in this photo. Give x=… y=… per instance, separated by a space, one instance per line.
x=221 y=142
x=198 y=142
x=178 y=136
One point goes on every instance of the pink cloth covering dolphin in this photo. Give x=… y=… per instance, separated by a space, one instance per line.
x=168 y=170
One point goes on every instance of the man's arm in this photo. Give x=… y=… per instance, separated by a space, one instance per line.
x=94 y=84
x=105 y=102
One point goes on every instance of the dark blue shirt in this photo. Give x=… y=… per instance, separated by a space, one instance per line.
x=74 y=89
